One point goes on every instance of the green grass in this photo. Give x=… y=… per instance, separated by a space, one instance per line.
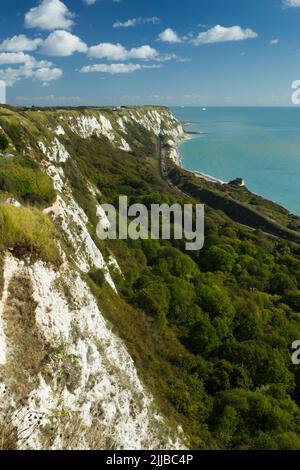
x=28 y=232
x=22 y=178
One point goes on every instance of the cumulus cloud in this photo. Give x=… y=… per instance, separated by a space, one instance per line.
x=15 y=58
x=136 y=21
x=27 y=67
x=108 y=50
x=89 y=2
x=116 y=68
x=62 y=43
x=273 y=42
x=47 y=74
x=143 y=52
x=169 y=35
x=35 y=71
x=20 y=43
x=49 y=15
x=291 y=3
x=113 y=52
x=222 y=34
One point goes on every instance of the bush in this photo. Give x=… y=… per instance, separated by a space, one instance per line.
x=173 y=262
x=183 y=311
x=203 y=337
x=98 y=276
x=292 y=298
x=214 y=299
x=264 y=364
x=217 y=259
x=154 y=299
x=280 y=283
x=3 y=142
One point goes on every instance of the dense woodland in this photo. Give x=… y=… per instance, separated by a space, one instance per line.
x=220 y=322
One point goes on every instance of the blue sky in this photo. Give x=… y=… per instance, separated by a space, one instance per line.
x=197 y=52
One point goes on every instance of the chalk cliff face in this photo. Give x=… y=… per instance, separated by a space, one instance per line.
x=67 y=380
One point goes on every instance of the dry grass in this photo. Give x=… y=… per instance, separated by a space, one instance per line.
x=27 y=347
x=8 y=437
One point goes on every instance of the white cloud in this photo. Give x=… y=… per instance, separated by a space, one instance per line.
x=143 y=52
x=29 y=67
x=59 y=43
x=112 y=68
x=136 y=22
x=273 y=42
x=169 y=57
x=15 y=58
x=49 y=15
x=113 y=52
x=35 y=71
x=116 y=68
x=169 y=35
x=47 y=74
x=291 y=3
x=109 y=51
x=89 y=2
x=222 y=34
x=20 y=43
x=62 y=43
x=10 y=76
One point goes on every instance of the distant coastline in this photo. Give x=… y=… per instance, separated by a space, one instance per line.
x=259 y=145
x=188 y=135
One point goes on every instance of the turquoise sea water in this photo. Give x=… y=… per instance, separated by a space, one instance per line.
x=261 y=145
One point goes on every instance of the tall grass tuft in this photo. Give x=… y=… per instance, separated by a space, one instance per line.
x=28 y=231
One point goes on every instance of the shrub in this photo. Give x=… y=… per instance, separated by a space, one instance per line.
x=154 y=299
x=292 y=298
x=98 y=276
x=203 y=337
x=3 y=142
x=280 y=283
x=217 y=259
x=173 y=261
x=214 y=299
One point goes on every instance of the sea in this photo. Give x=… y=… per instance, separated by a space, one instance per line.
x=260 y=145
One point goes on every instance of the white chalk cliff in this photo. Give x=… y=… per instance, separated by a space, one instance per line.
x=88 y=393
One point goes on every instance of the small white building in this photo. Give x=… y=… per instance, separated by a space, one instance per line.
x=2 y=92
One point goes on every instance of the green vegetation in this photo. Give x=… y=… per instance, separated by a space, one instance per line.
x=98 y=276
x=28 y=231
x=234 y=308
x=22 y=178
x=3 y=142
x=210 y=331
